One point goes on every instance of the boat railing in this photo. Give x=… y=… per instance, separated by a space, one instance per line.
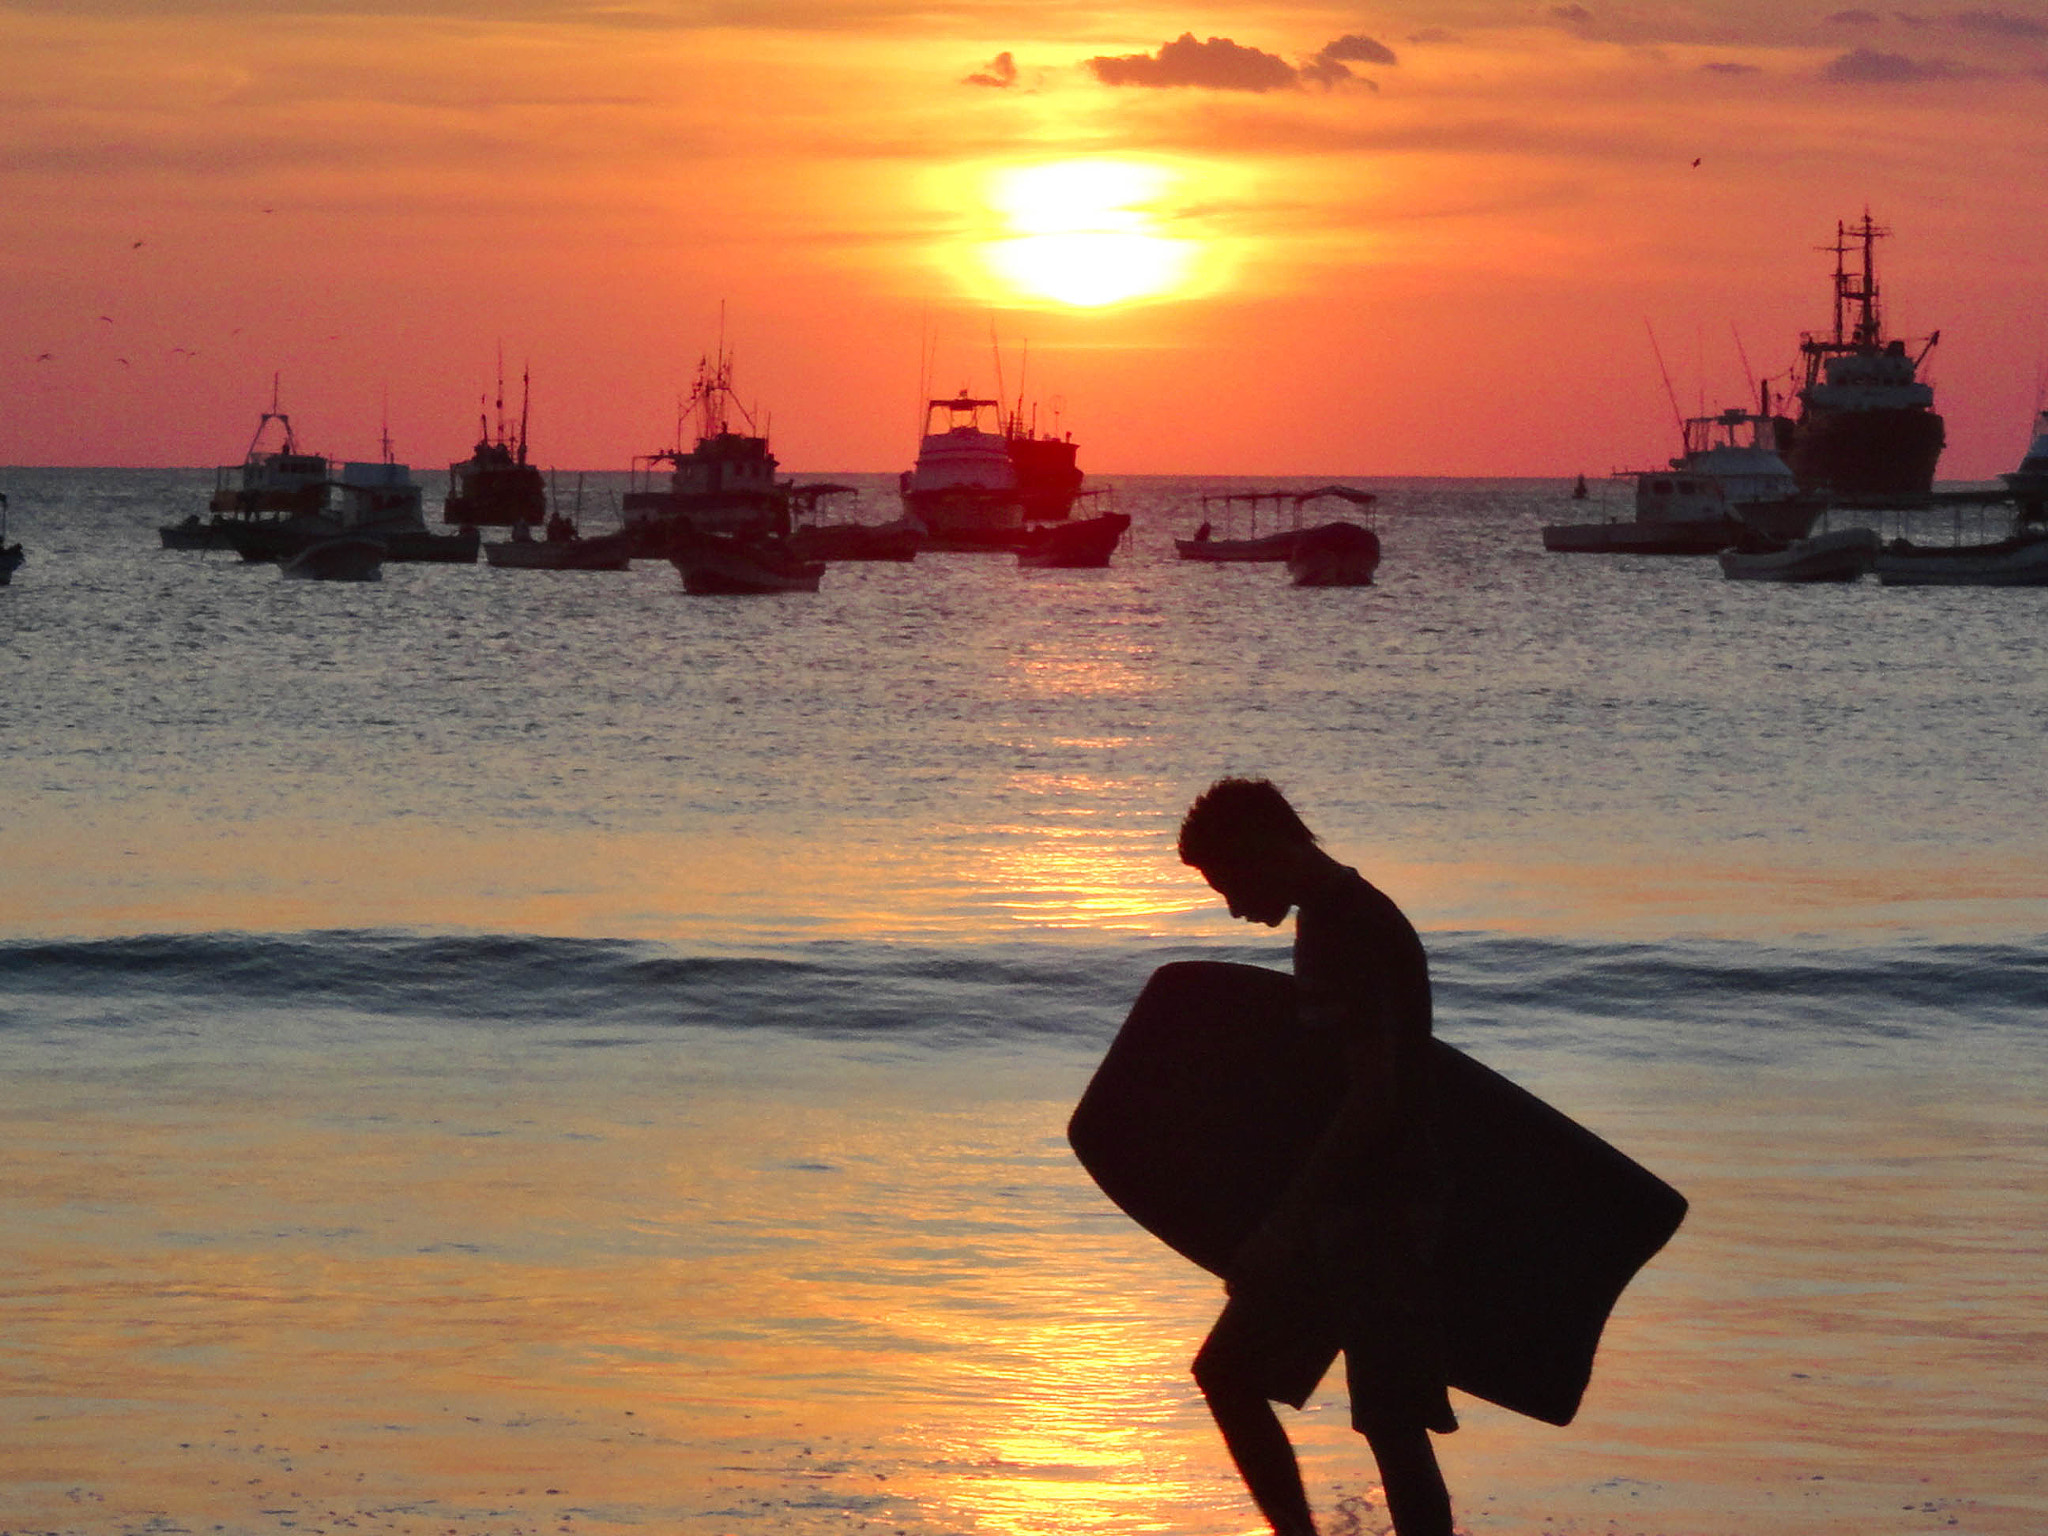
x=1252 y=501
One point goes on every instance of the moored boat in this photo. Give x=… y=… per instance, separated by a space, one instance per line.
x=1842 y=554
x=963 y=492
x=736 y=565
x=1049 y=476
x=276 y=483
x=1334 y=555
x=2029 y=483
x=814 y=540
x=564 y=549
x=1867 y=433
x=1076 y=545
x=11 y=555
x=2018 y=561
x=1729 y=482
x=279 y=482
x=374 y=499
x=1254 y=547
x=347 y=558
x=495 y=487
x=725 y=484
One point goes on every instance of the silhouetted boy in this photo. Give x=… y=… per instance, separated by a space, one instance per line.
x=1344 y=1261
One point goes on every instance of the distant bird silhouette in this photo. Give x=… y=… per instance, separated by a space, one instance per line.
x=108 y=318
x=136 y=246
x=123 y=362
x=1695 y=165
x=46 y=357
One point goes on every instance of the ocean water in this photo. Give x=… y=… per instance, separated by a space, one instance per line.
x=507 y=1052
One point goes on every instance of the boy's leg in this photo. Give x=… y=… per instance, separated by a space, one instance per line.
x=1417 y=1500
x=1257 y=1443
x=1260 y=1352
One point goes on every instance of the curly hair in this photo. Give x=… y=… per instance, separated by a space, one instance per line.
x=1232 y=812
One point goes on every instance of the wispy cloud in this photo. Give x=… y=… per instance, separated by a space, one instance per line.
x=1998 y=24
x=1868 y=66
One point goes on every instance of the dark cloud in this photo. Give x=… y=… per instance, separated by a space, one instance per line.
x=1000 y=72
x=1908 y=19
x=1866 y=66
x=1358 y=50
x=1732 y=69
x=1998 y=24
x=1216 y=65
x=1330 y=69
x=1571 y=15
x=1223 y=65
x=1432 y=35
x=1855 y=18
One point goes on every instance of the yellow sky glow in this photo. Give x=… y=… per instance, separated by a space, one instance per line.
x=1084 y=233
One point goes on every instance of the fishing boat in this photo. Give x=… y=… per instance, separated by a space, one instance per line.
x=2018 y=560
x=2029 y=483
x=1049 y=477
x=275 y=483
x=1728 y=482
x=736 y=565
x=349 y=558
x=1252 y=546
x=373 y=499
x=1078 y=544
x=963 y=492
x=11 y=555
x=725 y=484
x=1842 y=554
x=1334 y=555
x=812 y=539
x=495 y=487
x=563 y=549
x=1866 y=432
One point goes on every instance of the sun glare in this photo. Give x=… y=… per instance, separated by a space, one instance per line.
x=1085 y=233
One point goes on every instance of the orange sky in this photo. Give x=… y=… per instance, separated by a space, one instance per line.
x=1402 y=239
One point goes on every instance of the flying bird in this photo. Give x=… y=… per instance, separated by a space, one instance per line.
x=108 y=318
x=136 y=246
x=46 y=357
x=1695 y=165
x=123 y=362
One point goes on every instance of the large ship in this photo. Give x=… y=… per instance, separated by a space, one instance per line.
x=1866 y=432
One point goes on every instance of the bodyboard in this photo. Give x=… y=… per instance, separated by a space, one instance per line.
x=1212 y=1095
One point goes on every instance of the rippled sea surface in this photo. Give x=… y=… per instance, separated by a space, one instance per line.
x=503 y=1051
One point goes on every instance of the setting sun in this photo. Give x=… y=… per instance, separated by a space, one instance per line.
x=1084 y=233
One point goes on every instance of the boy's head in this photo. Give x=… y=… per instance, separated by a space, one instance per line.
x=1247 y=841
